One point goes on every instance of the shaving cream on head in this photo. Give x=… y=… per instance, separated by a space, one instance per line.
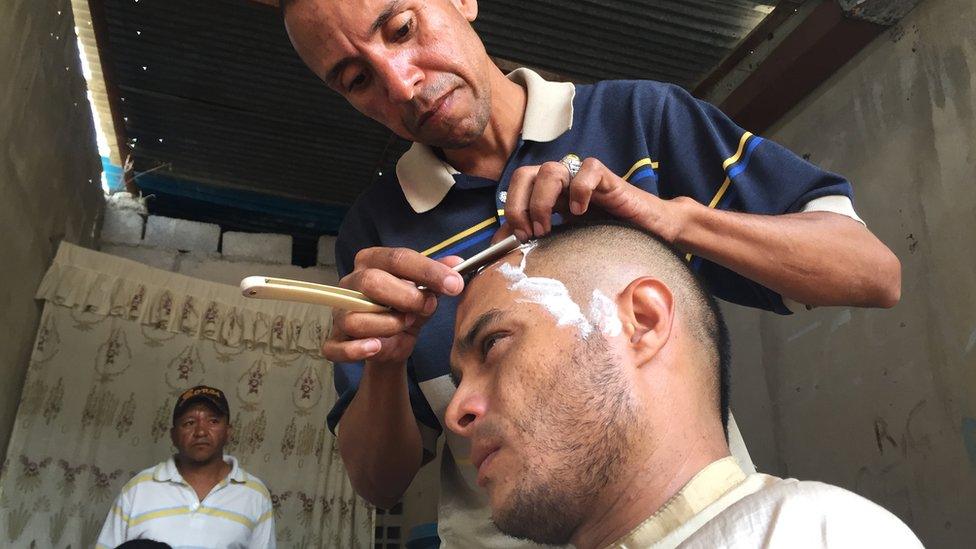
x=554 y=297
x=550 y=293
x=603 y=314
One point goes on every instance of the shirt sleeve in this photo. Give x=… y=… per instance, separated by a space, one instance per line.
x=116 y=525
x=263 y=535
x=354 y=236
x=706 y=156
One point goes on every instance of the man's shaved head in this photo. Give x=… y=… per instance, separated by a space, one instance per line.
x=579 y=359
x=608 y=255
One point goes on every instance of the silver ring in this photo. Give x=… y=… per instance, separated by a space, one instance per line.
x=572 y=163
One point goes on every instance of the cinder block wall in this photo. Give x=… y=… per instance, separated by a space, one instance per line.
x=883 y=402
x=201 y=251
x=49 y=172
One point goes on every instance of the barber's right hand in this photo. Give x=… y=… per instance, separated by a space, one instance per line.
x=390 y=276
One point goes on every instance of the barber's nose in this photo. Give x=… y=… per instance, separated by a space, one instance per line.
x=464 y=411
x=402 y=78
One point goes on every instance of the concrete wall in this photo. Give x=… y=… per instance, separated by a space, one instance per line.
x=882 y=402
x=49 y=172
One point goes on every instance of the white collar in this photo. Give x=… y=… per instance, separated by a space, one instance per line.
x=426 y=179
x=168 y=472
x=705 y=488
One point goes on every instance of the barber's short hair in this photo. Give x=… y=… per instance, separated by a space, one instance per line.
x=594 y=247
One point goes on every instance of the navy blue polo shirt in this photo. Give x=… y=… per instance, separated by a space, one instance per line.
x=656 y=136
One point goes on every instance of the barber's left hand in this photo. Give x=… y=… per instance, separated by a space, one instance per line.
x=536 y=192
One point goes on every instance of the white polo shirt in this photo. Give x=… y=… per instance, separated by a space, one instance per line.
x=724 y=507
x=158 y=504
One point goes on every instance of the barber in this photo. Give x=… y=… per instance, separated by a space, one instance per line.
x=494 y=155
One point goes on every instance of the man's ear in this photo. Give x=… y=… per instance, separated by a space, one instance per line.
x=646 y=308
x=468 y=8
x=172 y=436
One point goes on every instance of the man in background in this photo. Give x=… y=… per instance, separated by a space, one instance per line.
x=198 y=497
x=594 y=401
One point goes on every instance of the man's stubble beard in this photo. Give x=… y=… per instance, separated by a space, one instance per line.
x=587 y=432
x=478 y=121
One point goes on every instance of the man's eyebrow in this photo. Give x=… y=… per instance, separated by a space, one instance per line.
x=391 y=9
x=466 y=342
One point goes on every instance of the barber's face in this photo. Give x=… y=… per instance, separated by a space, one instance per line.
x=415 y=66
x=200 y=433
x=542 y=407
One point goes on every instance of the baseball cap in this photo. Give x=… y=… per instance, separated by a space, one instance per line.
x=201 y=393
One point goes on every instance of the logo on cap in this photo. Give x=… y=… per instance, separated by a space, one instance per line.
x=201 y=392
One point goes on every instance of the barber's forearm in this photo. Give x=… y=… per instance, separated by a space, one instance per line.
x=815 y=258
x=379 y=439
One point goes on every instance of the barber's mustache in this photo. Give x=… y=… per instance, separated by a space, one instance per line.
x=425 y=100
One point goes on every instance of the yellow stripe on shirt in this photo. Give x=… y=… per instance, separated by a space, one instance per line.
x=158 y=514
x=467 y=232
x=258 y=487
x=137 y=480
x=265 y=516
x=729 y=162
x=738 y=154
x=118 y=511
x=638 y=165
x=214 y=512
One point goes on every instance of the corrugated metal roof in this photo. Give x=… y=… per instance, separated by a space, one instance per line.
x=676 y=41
x=214 y=91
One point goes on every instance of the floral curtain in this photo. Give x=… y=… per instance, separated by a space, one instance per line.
x=118 y=341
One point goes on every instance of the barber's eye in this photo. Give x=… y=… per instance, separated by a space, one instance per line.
x=356 y=82
x=403 y=30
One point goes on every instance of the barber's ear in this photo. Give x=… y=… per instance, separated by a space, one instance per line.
x=647 y=315
x=468 y=8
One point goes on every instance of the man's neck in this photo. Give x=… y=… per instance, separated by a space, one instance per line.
x=487 y=156
x=653 y=481
x=212 y=471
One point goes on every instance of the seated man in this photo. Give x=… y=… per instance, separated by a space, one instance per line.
x=592 y=375
x=199 y=497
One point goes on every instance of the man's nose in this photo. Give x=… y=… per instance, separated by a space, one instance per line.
x=401 y=77
x=464 y=411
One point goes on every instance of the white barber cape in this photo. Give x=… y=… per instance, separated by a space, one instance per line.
x=723 y=507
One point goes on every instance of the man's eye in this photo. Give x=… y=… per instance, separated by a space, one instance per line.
x=359 y=80
x=404 y=30
x=489 y=343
